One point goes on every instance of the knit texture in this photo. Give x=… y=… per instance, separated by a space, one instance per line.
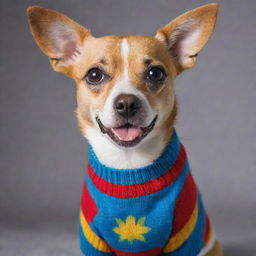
x=154 y=210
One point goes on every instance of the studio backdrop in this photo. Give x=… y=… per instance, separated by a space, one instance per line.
x=43 y=156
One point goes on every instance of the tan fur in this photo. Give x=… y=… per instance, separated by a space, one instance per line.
x=216 y=250
x=106 y=53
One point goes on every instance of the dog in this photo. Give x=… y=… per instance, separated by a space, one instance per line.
x=139 y=196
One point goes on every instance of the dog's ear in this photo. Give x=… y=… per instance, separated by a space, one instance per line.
x=186 y=35
x=59 y=37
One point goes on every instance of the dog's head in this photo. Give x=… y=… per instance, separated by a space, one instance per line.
x=125 y=92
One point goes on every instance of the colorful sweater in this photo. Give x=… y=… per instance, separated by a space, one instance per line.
x=154 y=210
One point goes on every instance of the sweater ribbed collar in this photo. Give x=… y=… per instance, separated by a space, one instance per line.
x=138 y=175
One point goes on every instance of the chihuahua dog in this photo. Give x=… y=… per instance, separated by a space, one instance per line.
x=139 y=196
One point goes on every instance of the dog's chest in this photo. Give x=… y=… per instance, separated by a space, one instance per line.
x=151 y=210
x=134 y=223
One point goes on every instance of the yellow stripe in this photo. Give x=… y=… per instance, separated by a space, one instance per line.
x=177 y=240
x=91 y=237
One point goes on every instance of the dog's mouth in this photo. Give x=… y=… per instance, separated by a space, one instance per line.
x=127 y=135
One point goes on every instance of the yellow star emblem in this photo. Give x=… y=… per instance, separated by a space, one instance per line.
x=130 y=230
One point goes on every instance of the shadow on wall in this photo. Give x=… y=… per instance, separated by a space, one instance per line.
x=239 y=250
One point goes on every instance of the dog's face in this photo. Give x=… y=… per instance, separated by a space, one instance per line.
x=125 y=88
x=125 y=92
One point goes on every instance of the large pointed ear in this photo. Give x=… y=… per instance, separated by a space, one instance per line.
x=186 y=35
x=59 y=37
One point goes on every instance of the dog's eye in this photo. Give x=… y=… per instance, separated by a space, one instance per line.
x=155 y=74
x=94 y=76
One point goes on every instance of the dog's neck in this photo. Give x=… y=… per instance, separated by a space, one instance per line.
x=171 y=155
x=118 y=158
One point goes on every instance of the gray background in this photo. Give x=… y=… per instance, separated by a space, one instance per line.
x=43 y=155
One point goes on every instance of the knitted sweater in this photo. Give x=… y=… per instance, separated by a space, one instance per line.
x=154 y=210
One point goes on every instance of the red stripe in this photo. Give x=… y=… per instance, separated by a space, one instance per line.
x=88 y=205
x=152 y=252
x=141 y=189
x=185 y=204
x=207 y=229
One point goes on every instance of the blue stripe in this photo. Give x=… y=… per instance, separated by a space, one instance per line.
x=139 y=175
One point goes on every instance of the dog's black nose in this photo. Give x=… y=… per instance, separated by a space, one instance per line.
x=127 y=105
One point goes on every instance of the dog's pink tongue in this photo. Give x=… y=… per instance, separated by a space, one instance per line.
x=127 y=134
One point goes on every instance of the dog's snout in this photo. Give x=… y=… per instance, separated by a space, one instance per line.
x=127 y=105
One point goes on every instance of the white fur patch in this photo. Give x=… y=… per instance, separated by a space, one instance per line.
x=124 y=86
x=113 y=156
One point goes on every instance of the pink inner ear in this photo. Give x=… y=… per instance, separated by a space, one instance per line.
x=183 y=43
x=174 y=48
x=64 y=40
x=71 y=51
